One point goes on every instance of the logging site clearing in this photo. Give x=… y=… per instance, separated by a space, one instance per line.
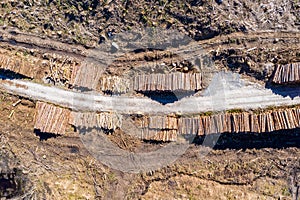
x=150 y=99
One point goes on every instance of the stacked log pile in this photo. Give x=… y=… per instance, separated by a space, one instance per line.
x=86 y=76
x=114 y=84
x=159 y=135
x=20 y=66
x=167 y=128
x=159 y=128
x=160 y=122
x=53 y=119
x=107 y=121
x=150 y=82
x=50 y=118
x=167 y=82
x=289 y=73
x=241 y=122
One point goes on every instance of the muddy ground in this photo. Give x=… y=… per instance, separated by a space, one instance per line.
x=246 y=37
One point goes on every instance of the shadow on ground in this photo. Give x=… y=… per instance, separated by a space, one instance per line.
x=8 y=74
x=276 y=139
x=166 y=97
x=45 y=136
x=287 y=90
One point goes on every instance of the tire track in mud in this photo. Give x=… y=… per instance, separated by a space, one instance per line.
x=15 y=38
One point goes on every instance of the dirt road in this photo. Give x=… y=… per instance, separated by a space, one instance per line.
x=222 y=94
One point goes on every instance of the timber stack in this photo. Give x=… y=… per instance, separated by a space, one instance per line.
x=50 y=118
x=167 y=82
x=159 y=128
x=86 y=76
x=285 y=74
x=105 y=121
x=114 y=85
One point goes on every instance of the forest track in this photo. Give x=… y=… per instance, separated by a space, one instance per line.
x=221 y=97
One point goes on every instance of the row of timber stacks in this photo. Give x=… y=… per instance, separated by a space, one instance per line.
x=50 y=118
x=167 y=128
x=285 y=74
x=152 y=82
x=167 y=82
x=241 y=122
x=53 y=119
